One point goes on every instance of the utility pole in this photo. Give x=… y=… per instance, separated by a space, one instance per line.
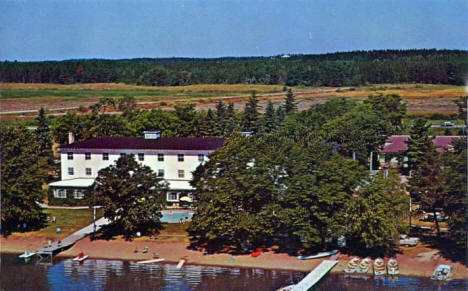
x=410 y=215
x=371 y=160
x=94 y=215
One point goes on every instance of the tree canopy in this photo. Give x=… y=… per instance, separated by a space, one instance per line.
x=333 y=69
x=131 y=195
x=22 y=179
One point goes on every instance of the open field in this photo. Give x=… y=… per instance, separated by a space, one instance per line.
x=19 y=100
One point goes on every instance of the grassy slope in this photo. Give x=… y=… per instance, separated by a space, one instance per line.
x=68 y=220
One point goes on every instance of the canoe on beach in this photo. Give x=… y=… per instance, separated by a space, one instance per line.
x=318 y=255
x=150 y=261
x=81 y=257
x=27 y=254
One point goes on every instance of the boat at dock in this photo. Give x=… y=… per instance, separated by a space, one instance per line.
x=379 y=267
x=352 y=265
x=393 y=268
x=364 y=266
x=318 y=255
x=442 y=273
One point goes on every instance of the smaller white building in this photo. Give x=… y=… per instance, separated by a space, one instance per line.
x=172 y=158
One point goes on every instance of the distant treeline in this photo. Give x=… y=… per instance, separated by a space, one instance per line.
x=334 y=69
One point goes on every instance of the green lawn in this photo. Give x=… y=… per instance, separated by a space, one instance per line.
x=69 y=220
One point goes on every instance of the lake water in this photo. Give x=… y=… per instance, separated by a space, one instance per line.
x=15 y=274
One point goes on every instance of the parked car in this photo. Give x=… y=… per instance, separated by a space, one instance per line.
x=447 y=123
x=428 y=216
x=408 y=241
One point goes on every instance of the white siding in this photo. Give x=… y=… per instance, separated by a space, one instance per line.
x=170 y=165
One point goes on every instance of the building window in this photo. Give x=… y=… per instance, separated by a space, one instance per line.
x=141 y=156
x=160 y=157
x=105 y=156
x=87 y=156
x=160 y=172
x=181 y=173
x=88 y=172
x=201 y=157
x=60 y=193
x=180 y=157
x=71 y=171
x=172 y=196
x=70 y=156
x=78 y=194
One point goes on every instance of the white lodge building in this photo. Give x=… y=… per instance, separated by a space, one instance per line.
x=172 y=158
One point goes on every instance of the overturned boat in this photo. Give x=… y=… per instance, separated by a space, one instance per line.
x=442 y=273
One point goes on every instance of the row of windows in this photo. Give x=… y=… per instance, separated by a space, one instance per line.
x=180 y=173
x=62 y=193
x=141 y=157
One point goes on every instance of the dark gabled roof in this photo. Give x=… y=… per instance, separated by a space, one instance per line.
x=138 y=143
x=398 y=143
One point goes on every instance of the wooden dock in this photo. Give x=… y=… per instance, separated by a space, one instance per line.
x=58 y=246
x=313 y=277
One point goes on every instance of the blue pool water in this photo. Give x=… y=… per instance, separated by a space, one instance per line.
x=175 y=216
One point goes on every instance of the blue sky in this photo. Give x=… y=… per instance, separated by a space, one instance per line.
x=64 y=29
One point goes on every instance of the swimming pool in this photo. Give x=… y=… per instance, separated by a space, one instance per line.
x=175 y=216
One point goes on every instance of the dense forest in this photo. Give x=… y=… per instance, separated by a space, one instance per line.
x=333 y=69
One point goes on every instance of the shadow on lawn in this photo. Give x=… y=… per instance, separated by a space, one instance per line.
x=107 y=232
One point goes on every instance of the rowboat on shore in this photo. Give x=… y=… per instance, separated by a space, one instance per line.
x=364 y=266
x=352 y=265
x=392 y=267
x=318 y=255
x=379 y=267
x=257 y=253
x=150 y=261
x=81 y=257
x=287 y=288
x=442 y=273
x=27 y=254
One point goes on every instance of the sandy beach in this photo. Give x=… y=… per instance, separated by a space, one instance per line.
x=420 y=263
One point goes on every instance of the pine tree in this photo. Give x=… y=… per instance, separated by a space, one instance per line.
x=290 y=104
x=221 y=118
x=456 y=202
x=209 y=126
x=231 y=123
x=44 y=136
x=280 y=115
x=22 y=179
x=269 y=119
x=425 y=183
x=251 y=114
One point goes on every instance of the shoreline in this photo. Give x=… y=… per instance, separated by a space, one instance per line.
x=412 y=264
